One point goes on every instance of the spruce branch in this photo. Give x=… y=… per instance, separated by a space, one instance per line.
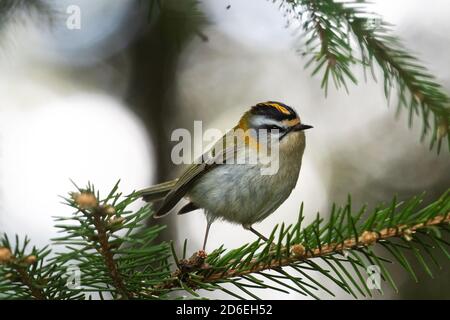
x=110 y=245
x=345 y=241
x=298 y=252
x=332 y=28
x=117 y=255
x=105 y=250
x=99 y=218
x=328 y=46
x=29 y=275
x=26 y=280
x=20 y=269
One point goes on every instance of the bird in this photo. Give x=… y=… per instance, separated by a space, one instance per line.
x=226 y=184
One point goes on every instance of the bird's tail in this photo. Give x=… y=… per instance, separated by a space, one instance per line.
x=158 y=191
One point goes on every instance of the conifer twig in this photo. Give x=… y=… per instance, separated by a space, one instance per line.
x=105 y=251
x=332 y=28
x=26 y=280
x=97 y=213
x=20 y=269
x=298 y=253
x=291 y=254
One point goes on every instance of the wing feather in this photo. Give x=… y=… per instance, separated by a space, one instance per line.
x=195 y=171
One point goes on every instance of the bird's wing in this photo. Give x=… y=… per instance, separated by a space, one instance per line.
x=157 y=192
x=194 y=172
x=187 y=208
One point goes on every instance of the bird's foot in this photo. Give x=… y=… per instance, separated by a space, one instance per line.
x=250 y=228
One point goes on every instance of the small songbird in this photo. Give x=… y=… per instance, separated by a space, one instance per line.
x=227 y=185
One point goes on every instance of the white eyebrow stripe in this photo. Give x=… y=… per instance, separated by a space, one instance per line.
x=258 y=121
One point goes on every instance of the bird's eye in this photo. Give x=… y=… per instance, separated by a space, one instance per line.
x=272 y=127
x=275 y=127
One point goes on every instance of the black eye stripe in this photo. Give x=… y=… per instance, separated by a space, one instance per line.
x=271 y=127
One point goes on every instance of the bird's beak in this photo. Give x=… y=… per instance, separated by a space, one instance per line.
x=301 y=127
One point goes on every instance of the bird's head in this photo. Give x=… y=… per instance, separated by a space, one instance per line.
x=275 y=117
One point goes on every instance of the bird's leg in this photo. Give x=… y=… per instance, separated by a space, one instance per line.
x=250 y=228
x=208 y=225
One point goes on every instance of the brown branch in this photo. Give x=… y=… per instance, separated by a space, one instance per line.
x=108 y=256
x=324 y=48
x=20 y=267
x=366 y=239
x=299 y=254
x=26 y=280
x=88 y=204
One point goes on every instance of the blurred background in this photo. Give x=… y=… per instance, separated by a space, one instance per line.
x=98 y=102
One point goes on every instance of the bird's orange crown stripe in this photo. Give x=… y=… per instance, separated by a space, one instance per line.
x=278 y=107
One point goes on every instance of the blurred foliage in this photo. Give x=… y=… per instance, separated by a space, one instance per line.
x=179 y=19
x=9 y=9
